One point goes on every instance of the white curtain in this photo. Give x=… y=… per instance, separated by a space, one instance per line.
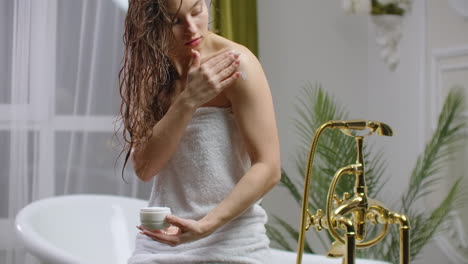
x=59 y=61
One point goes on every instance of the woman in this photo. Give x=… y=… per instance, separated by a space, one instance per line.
x=199 y=119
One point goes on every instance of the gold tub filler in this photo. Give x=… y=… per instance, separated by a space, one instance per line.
x=346 y=218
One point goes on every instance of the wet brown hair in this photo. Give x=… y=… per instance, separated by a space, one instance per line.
x=147 y=75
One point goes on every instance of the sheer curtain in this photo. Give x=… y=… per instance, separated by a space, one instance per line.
x=59 y=99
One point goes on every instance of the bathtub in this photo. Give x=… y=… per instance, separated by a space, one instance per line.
x=88 y=229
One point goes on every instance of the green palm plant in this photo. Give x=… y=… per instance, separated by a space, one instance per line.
x=316 y=107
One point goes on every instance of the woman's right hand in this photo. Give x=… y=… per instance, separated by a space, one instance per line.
x=205 y=81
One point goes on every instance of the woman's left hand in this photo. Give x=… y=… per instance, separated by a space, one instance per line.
x=180 y=231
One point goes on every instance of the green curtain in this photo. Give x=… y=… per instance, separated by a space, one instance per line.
x=237 y=21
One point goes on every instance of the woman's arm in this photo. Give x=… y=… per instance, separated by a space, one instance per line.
x=253 y=110
x=254 y=114
x=149 y=158
x=204 y=82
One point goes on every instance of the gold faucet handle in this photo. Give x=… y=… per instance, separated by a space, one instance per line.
x=310 y=220
x=337 y=201
x=316 y=220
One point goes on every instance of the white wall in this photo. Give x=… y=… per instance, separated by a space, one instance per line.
x=315 y=40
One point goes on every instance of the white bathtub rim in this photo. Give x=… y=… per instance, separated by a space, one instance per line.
x=37 y=245
x=33 y=242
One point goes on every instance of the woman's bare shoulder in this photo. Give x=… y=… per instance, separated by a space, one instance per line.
x=253 y=81
x=250 y=68
x=222 y=44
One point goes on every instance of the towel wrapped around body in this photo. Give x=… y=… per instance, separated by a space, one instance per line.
x=209 y=161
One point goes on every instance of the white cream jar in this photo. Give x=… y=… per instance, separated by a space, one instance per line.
x=153 y=218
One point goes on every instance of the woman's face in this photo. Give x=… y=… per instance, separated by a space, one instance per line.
x=190 y=24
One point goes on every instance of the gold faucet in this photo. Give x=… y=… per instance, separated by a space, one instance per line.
x=351 y=214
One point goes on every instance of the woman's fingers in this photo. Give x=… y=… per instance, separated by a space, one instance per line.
x=207 y=81
x=177 y=221
x=195 y=62
x=181 y=231
x=164 y=237
x=173 y=230
x=225 y=63
x=221 y=71
x=228 y=81
x=172 y=237
x=228 y=71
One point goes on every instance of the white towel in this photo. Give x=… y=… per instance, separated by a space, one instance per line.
x=208 y=162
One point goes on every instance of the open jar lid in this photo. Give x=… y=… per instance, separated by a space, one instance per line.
x=155 y=209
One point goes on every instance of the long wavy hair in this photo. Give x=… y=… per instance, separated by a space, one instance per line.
x=147 y=76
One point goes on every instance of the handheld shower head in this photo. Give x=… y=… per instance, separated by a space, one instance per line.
x=379 y=128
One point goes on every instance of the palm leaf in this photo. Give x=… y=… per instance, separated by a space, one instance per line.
x=444 y=142
x=277 y=237
x=424 y=232
x=286 y=182
x=293 y=233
